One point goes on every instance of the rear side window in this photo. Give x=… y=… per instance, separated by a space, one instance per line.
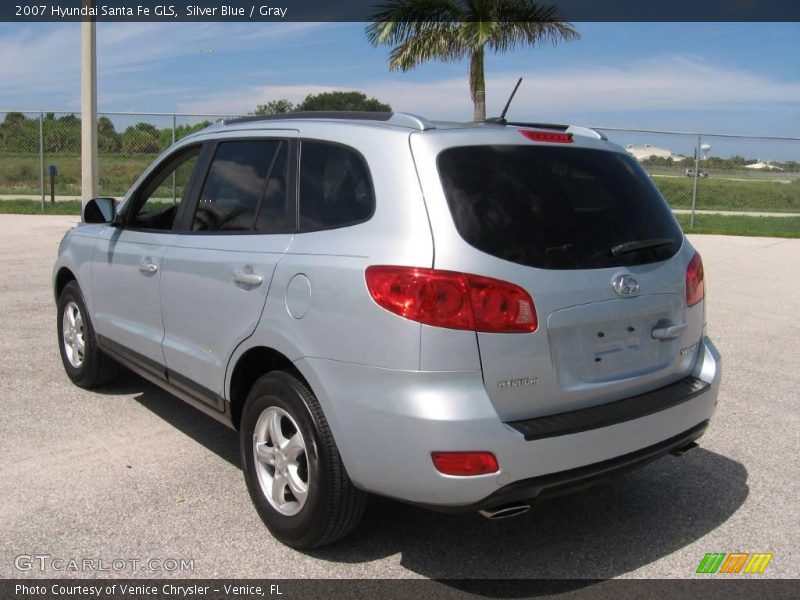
x=246 y=189
x=335 y=187
x=557 y=208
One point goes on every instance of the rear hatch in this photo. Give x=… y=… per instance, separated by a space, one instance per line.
x=585 y=232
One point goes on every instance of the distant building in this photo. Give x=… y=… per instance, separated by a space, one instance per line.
x=647 y=151
x=764 y=165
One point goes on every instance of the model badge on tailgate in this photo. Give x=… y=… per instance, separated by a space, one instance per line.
x=512 y=383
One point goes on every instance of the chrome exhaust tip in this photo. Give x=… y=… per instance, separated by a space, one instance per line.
x=505 y=512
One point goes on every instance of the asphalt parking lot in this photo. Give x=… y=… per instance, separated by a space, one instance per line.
x=131 y=472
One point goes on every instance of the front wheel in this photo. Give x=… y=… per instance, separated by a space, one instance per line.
x=292 y=467
x=86 y=365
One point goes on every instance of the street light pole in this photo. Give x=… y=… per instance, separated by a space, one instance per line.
x=696 y=175
x=88 y=106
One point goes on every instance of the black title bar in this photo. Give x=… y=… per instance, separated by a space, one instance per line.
x=364 y=10
x=708 y=588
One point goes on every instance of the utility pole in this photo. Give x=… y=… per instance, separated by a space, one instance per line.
x=88 y=106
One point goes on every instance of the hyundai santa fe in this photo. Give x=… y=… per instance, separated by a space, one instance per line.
x=465 y=317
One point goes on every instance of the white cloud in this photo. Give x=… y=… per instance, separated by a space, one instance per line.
x=408 y=97
x=45 y=59
x=138 y=44
x=39 y=60
x=665 y=83
x=42 y=61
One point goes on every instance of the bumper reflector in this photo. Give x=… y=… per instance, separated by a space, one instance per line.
x=465 y=464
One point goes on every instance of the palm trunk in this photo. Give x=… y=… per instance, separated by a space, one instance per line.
x=479 y=106
x=477 y=85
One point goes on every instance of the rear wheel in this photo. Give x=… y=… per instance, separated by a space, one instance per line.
x=294 y=474
x=86 y=365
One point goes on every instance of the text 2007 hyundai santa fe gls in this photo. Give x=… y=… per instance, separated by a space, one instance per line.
x=461 y=316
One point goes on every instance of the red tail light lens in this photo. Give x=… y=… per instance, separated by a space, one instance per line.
x=547 y=136
x=695 y=281
x=465 y=464
x=452 y=300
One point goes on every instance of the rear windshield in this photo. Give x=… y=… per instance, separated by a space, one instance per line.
x=557 y=208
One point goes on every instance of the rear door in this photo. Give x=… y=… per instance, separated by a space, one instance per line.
x=586 y=233
x=219 y=267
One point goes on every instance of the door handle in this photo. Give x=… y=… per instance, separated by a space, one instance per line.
x=148 y=267
x=668 y=333
x=249 y=279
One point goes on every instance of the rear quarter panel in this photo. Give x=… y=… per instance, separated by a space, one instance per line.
x=336 y=321
x=341 y=321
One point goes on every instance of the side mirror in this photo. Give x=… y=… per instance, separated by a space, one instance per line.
x=99 y=210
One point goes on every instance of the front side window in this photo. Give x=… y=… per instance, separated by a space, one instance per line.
x=161 y=195
x=246 y=189
x=335 y=187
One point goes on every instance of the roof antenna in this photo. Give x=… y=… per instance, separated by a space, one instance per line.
x=502 y=118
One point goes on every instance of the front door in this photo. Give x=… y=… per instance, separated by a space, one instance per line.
x=127 y=264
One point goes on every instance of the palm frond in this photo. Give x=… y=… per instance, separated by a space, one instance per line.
x=398 y=20
x=521 y=22
x=440 y=43
x=423 y=30
x=512 y=35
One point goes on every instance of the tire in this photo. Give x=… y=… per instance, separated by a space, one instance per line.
x=86 y=365
x=302 y=491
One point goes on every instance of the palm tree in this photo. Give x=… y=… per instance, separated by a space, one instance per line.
x=450 y=30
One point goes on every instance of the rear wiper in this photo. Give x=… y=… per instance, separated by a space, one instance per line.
x=636 y=245
x=562 y=248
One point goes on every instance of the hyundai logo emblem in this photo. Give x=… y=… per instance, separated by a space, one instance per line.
x=625 y=285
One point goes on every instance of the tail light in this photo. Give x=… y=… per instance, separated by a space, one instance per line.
x=465 y=463
x=452 y=300
x=695 y=281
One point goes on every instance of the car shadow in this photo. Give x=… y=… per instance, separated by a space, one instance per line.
x=212 y=434
x=613 y=528
x=610 y=529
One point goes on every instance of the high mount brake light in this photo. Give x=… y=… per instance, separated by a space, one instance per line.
x=547 y=136
x=452 y=300
x=695 y=281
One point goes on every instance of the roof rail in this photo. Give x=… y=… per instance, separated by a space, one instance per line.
x=397 y=119
x=412 y=121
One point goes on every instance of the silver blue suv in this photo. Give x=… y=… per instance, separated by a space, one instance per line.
x=461 y=316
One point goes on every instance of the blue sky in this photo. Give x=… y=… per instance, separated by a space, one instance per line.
x=725 y=77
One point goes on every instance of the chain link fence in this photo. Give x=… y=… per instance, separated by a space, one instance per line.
x=718 y=183
x=715 y=183
x=40 y=152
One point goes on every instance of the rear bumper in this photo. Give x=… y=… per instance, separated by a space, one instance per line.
x=386 y=423
x=555 y=484
x=605 y=415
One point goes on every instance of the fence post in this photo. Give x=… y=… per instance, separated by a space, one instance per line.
x=696 y=176
x=41 y=155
